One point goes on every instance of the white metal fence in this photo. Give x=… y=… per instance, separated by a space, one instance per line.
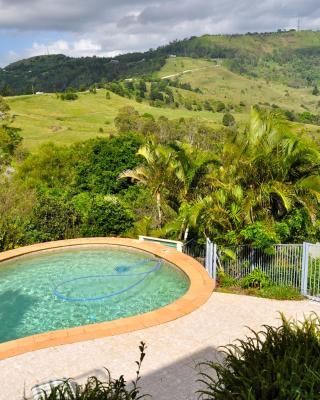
x=295 y=265
x=283 y=264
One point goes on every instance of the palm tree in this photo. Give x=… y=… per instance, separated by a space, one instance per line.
x=282 y=169
x=266 y=171
x=191 y=168
x=155 y=172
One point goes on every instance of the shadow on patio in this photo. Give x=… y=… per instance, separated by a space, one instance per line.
x=175 y=381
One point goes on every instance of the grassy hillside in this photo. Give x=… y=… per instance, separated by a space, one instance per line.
x=218 y=82
x=288 y=57
x=45 y=118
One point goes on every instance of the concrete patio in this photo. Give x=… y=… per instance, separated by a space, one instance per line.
x=169 y=371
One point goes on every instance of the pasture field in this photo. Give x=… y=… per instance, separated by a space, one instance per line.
x=45 y=117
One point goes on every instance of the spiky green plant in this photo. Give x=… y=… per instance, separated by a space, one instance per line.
x=256 y=279
x=94 y=389
x=280 y=363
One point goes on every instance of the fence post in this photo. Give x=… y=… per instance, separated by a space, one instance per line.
x=207 y=254
x=214 y=265
x=304 y=270
x=210 y=258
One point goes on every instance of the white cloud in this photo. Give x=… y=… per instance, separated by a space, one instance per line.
x=106 y=27
x=78 y=48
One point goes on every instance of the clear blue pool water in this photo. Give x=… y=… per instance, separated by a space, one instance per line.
x=76 y=286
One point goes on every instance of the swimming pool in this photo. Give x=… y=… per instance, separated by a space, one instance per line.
x=81 y=285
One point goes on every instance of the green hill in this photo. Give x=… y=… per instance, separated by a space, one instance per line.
x=45 y=117
x=218 y=82
x=276 y=70
x=290 y=57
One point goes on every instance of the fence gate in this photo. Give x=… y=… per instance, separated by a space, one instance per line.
x=310 y=282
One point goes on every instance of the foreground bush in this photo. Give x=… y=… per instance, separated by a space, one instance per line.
x=112 y=389
x=277 y=363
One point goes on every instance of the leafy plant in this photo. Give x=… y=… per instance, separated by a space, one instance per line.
x=261 y=236
x=277 y=363
x=106 y=216
x=256 y=279
x=94 y=389
x=226 y=280
x=228 y=119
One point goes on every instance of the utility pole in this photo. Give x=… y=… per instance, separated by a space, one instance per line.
x=298 y=29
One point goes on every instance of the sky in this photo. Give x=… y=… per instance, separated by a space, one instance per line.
x=110 y=27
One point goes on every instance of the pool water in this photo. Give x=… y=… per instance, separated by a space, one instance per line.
x=82 y=285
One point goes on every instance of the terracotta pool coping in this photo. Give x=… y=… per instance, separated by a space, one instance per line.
x=201 y=287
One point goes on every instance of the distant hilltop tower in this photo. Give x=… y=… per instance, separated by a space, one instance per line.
x=298 y=27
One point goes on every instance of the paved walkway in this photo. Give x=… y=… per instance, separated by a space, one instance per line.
x=174 y=348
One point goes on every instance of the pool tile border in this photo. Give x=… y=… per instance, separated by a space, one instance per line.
x=201 y=287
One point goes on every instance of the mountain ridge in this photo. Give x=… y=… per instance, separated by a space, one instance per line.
x=289 y=57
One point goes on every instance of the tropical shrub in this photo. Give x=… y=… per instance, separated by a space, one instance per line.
x=260 y=235
x=256 y=279
x=16 y=207
x=106 y=216
x=10 y=139
x=53 y=218
x=277 y=363
x=69 y=94
x=219 y=106
x=100 y=161
x=225 y=280
x=228 y=119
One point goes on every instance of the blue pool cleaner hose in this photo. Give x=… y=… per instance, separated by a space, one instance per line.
x=121 y=269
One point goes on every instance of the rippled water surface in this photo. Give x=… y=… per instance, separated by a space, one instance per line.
x=76 y=286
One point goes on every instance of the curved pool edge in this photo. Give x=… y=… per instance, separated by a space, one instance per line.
x=200 y=289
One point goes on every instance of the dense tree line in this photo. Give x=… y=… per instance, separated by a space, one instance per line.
x=174 y=178
x=162 y=93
